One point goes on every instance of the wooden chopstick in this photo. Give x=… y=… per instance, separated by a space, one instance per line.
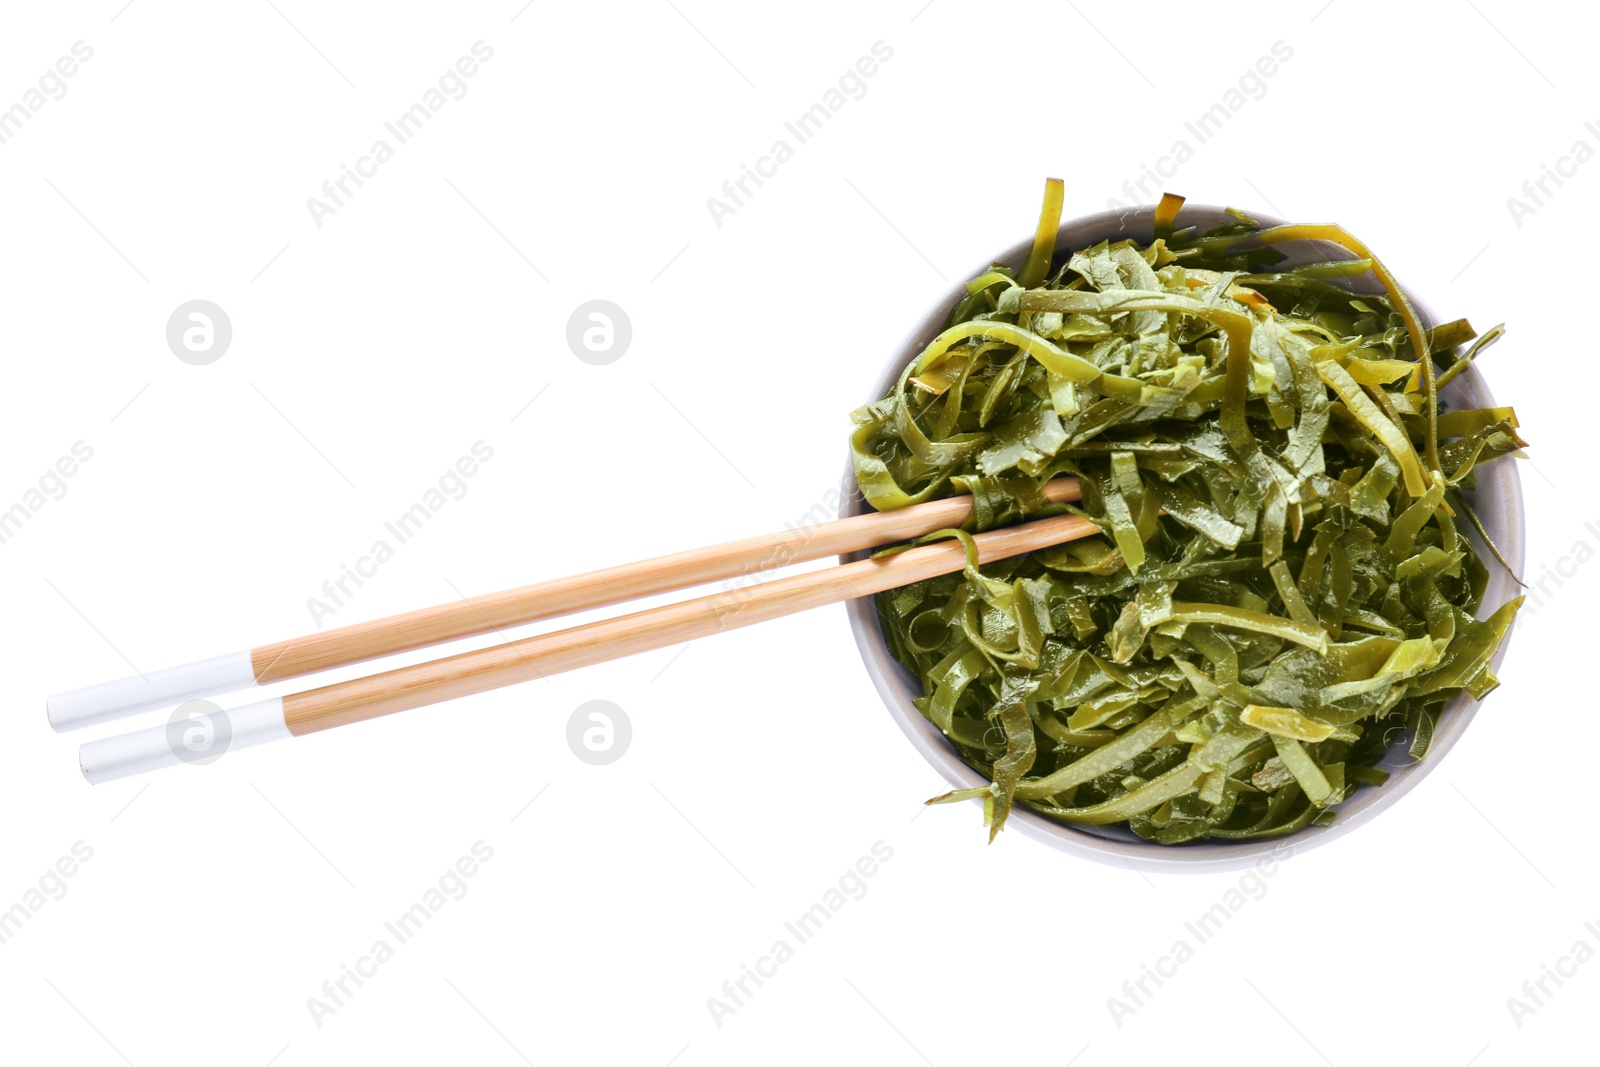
x=580 y=646
x=494 y=612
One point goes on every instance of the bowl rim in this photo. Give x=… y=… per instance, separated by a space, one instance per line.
x=1498 y=492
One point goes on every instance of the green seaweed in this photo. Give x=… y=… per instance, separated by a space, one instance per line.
x=1281 y=581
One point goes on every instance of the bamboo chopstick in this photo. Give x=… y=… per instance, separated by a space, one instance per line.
x=579 y=646
x=424 y=627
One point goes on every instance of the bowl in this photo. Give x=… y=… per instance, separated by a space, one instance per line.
x=1497 y=499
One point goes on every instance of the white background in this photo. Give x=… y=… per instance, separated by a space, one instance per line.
x=430 y=312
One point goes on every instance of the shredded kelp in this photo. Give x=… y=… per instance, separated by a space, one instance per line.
x=1282 y=590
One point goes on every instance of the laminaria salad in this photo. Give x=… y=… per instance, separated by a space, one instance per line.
x=1282 y=584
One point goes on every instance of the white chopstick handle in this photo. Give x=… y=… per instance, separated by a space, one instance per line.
x=207 y=736
x=158 y=689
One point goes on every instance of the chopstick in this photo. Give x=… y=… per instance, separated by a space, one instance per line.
x=494 y=612
x=542 y=655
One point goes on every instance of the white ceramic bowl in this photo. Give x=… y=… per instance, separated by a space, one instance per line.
x=1498 y=501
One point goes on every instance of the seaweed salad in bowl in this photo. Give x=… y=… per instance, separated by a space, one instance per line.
x=1296 y=582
